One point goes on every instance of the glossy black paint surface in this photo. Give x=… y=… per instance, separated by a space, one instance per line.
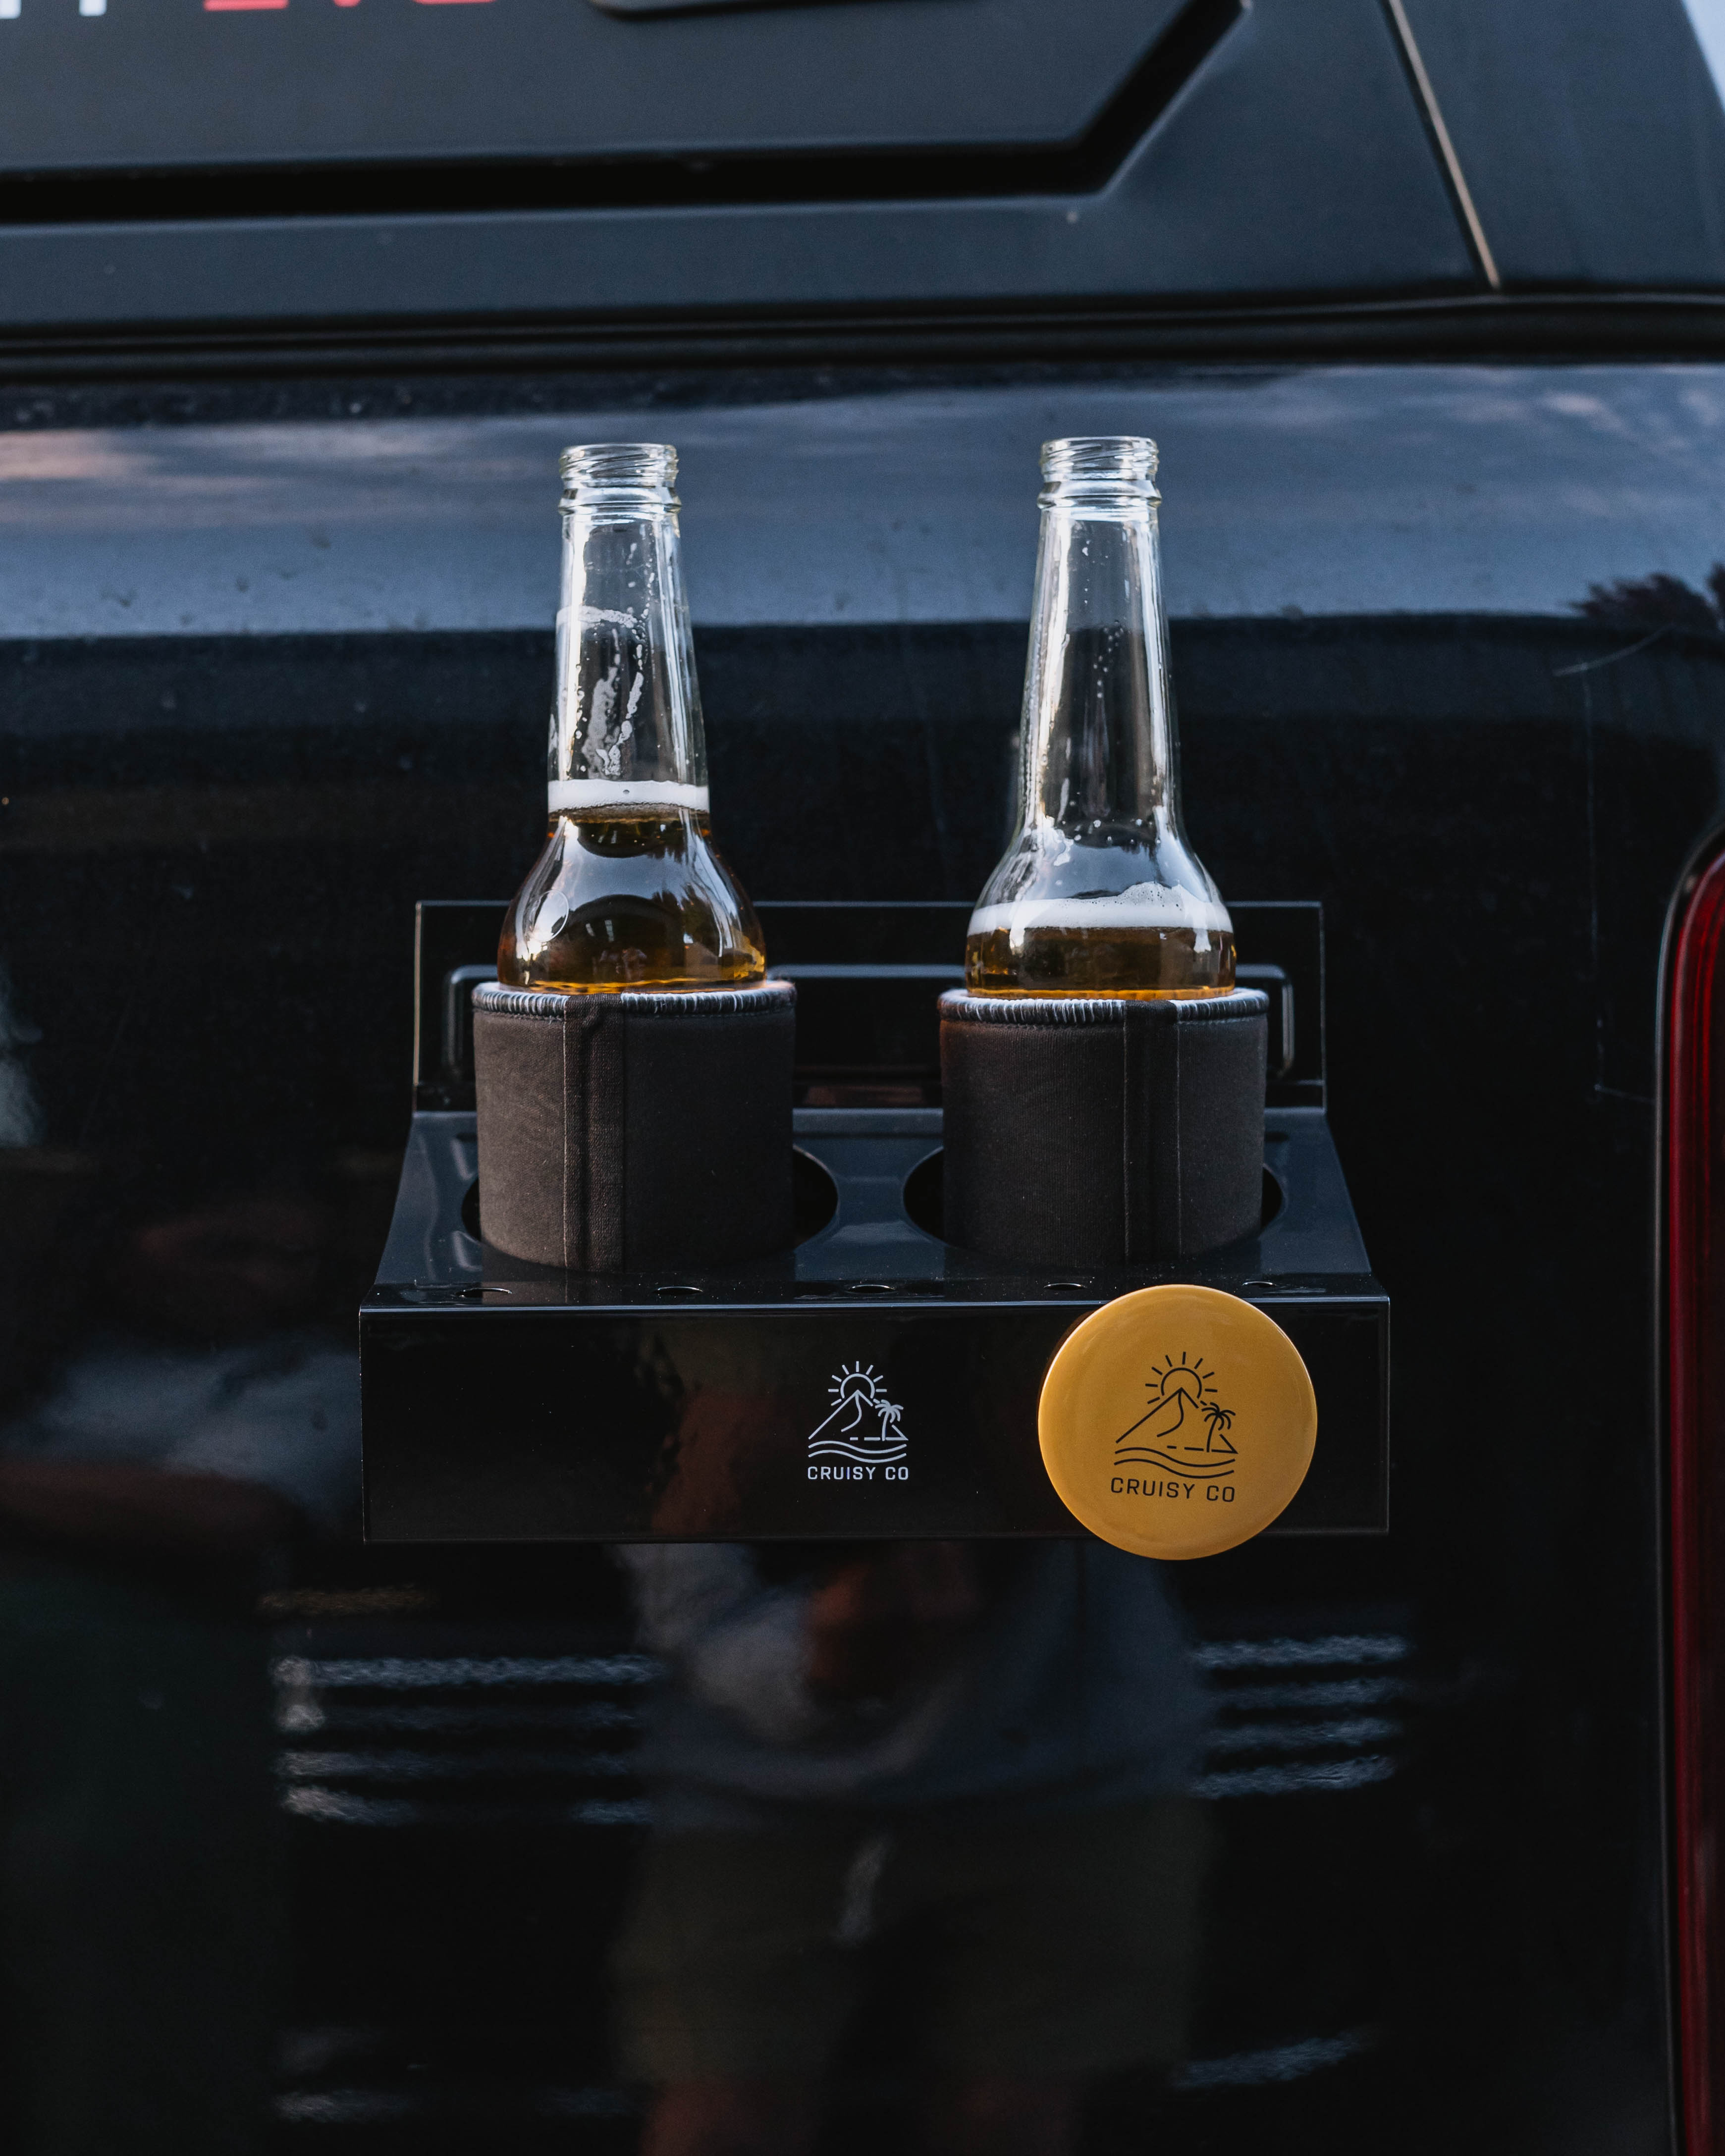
x=395 y=86
x=778 y=159
x=184 y=178
x=1524 y=86
x=1440 y=1907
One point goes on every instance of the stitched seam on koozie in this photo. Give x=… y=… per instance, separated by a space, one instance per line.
x=1129 y=1126
x=1179 y=1203
x=1240 y=1006
x=592 y=1025
x=763 y=999
x=564 y=1119
x=620 y=1255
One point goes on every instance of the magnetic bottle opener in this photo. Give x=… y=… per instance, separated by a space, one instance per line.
x=1177 y=1422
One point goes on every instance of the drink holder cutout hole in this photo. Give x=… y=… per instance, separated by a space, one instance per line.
x=815 y=1199
x=925 y=1197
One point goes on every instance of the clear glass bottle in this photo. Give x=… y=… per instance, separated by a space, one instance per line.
x=1099 y=893
x=629 y=891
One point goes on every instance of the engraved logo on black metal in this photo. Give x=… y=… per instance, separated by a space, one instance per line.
x=1185 y=1427
x=863 y=1437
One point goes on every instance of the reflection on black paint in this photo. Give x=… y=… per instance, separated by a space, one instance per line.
x=950 y=1780
x=1658 y=602
x=177 y=1421
x=207 y=876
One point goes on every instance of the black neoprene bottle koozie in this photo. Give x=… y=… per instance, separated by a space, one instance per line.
x=1102 y=1131
x=628 y=1130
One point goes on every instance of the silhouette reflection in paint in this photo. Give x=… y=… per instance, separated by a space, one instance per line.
x=919 y=1801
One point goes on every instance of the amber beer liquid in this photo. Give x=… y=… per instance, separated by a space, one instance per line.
x=667 y=913
x=1100 y=893
x=629 y=891
x=1080 y=958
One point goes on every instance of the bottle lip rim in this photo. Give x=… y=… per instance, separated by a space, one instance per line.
x=1120 y=465
x=594 y=471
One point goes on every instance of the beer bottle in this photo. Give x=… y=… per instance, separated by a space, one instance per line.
x=629 y=891
x=1099 y=893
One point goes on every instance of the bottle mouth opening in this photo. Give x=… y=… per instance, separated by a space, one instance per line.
x=1120 y=467
x=597 y=471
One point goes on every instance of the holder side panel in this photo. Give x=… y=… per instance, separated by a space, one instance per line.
x=602 y=1425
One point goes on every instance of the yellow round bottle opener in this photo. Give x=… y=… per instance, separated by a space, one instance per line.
x=1177 y=1421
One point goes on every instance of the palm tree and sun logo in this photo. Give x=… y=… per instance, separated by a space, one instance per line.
x=1184 y=1428
x=864 y=1425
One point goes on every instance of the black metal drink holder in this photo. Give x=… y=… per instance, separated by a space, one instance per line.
x=871 y=1381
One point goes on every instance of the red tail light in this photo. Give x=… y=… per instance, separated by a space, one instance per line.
x=1694 y=1230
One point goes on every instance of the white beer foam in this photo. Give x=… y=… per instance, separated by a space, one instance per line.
x=623 y=792
x=1145 y=905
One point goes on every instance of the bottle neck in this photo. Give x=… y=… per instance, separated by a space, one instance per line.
x=627 y=726
x=1098 y=745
